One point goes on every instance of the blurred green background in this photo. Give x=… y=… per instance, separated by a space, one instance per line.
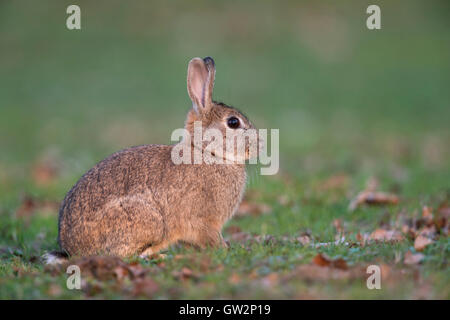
x=312 y=69
x=345 y=98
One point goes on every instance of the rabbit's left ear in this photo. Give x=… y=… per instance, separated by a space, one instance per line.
x=200 y=83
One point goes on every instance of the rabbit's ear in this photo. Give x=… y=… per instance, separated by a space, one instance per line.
x=200 y=82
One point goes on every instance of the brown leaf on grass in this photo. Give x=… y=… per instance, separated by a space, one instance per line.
x=408 y=231
x=434 y=225
x=121 y=273
x=30 y=205
x=43 y=174
x=444 y=210
x=46 y=169
x=106 y=268
x=270 y=280
x=240 y=237
x=386 y=235
x=247 y=208
x=324 y=261
x=429 y=225
x=184 y=274
x=429 y=232
x=103 y=268
x=413 y=258
x=373 y=198
x=54 y=290
x=385 y=271
x=339 y=264
x=27 y=207
x=312 y=272
x=91 y=289
x=284 y=200
x=179 y=256
x=320 y=260
x=427 y=214
x=304 y=239
x=234 y=279
x=204 y=262
x=137 y=270
x=145 y=287
x=413 y=228
x=362 y=238
x=359 y=237
x=233 y=229
x=442 y=225
x=337 y=181
x=197 y=260
x=421 y=242
x=338 y=225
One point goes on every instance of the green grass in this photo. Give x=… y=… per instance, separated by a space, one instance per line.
x=346 y=100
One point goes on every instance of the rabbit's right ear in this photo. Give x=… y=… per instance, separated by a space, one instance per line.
x=200 y=83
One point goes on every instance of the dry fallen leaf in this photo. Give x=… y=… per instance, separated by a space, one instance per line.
x=234 y=279
x=427 y=213
x=233 y=229
x=338 y=181
x=283 y=200
x=337 y=223
x=137 y=270
x=43 y=174
x=386 y=235
x=184 y=274
x=107 y=268
x=30 y=205
x=373 y=198
x=362 y=239
x=27 y=207
x=240 y=237
x=179 y=257
x=312 y=272
x=121 y=272
x=54 y=290
x=254 y=209
x=320 y=260
x=46 y=168
x=270 y=280
x=324 y=261
x=421 y=242
x=413 y=258
x=146 y=287
x=444 y=210
x=304 y=239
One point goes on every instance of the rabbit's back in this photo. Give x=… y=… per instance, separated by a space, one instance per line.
x=100 y=207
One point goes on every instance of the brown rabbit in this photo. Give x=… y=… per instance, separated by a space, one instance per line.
x=138 y=201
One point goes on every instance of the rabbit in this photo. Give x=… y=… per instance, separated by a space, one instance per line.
x=138 y=201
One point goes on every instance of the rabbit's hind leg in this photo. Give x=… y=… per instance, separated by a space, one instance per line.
x=132 y=225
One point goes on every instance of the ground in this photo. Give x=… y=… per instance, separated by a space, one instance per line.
x=357 y=111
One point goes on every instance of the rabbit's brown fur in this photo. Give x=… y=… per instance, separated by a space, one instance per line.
x=137 y=201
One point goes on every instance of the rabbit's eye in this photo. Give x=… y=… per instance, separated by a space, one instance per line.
x=233 y=122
